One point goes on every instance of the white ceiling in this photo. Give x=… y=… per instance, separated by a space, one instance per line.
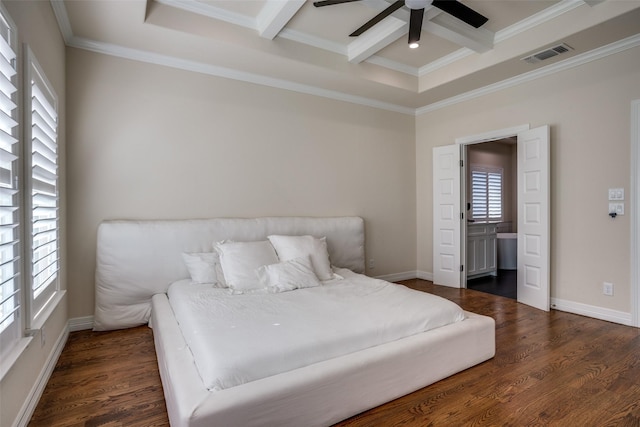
x=294 y=45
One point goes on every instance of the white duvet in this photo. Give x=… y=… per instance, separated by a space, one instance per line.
x=237 y=339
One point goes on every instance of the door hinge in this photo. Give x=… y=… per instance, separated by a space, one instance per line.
x=461 y=268
x=461 y=215
x=461 y=163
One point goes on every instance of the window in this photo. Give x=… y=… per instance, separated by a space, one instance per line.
x=41 y=202
x=10 y=261
x=486 y=193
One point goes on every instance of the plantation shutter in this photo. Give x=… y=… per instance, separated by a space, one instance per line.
x=43 y=202
x=10 y=278
x=486 y=194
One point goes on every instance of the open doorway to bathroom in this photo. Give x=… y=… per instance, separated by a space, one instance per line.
x=492 y=216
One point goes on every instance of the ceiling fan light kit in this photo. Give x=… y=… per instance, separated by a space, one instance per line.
x=417 y=8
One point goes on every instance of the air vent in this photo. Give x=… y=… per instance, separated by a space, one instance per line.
x=548 y=53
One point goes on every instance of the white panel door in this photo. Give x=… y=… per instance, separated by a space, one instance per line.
x=533 y=217
x=446 y=216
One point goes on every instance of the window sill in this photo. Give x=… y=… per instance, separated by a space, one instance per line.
x=10 y=358
x=42 y=317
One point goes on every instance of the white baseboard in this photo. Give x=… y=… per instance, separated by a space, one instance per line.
x=30 y=404
x=601 y=313
x=396 y=277
x=424 y=275
x=76 y=324
x=595 y=312
x=407 y=275
x=80 y=323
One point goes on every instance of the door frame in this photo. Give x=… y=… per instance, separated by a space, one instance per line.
x=635 y=212
x=462 y=142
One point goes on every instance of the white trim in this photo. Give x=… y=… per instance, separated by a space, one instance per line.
x=60 y=12
x=396 y=277
x=595 y=54
x=393 y=65
x=601 y=313
x=492 y=135
x=479 y=138
x=539 y=18
x=634 y=204
x=213 y=70
x=80 y=323
x=208 y=10
x=526 y=24
x=29 y=406
x=143 y=56
x=274 y=16
x=41 y=318
x=444 y=61
x=314 y=41
x=502 y=35
x=424 y=275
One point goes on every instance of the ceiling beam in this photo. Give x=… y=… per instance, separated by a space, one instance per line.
x=275 y=15
x=381 y=35
x=446 y=26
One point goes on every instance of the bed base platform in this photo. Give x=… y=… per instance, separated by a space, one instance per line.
x=320 y=394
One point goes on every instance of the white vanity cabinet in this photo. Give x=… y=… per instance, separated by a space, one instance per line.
x=481 y=249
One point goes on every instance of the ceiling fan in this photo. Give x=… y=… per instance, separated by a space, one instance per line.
x=452 y=7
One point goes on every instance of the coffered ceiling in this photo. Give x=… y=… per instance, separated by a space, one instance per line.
x=293 y=45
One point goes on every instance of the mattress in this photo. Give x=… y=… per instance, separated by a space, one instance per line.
x=237 y=339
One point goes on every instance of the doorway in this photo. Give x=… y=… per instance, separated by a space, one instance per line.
x=533 y=219
x=492 y=216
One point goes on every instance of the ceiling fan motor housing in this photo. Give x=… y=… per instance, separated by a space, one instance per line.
x=417 y=4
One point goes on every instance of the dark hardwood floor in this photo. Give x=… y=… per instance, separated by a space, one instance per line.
x=504 y=284
x=550 y=369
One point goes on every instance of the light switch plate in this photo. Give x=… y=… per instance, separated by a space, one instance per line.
x=616 y=194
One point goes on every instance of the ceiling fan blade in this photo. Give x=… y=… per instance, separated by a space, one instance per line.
x=415 y=25
x=331 y=2
x=460 y=11
x=379 y=17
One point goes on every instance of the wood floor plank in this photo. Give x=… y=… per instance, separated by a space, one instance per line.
x=550 y=369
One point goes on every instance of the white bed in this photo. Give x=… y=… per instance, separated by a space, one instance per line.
x=137 y=261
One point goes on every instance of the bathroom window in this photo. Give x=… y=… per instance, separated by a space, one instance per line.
x=486 y=193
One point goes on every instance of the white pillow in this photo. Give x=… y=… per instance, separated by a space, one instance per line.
x=292 y=247
x=240 y=260
x=288 y=275
x=204 y=267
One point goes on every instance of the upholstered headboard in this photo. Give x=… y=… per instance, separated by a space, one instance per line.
x=137 y=259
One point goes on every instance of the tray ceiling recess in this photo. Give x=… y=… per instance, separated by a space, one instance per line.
x=464 y=46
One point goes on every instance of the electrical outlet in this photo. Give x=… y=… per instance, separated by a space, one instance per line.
x=372 y=263
x=617 y=208
x=607 y=288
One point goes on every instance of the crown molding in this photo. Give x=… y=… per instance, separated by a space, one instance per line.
x=173 y=62
x=229 y=73
x=60 y=12
x=505 y=34
x=444 y=61
x=595 y=54
x=211 y=11
x=393 y=65
x=539 y=18
x=310 y=40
